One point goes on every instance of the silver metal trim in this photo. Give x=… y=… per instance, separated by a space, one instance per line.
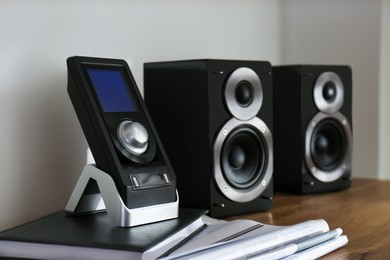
x=319 y=100
x=117 y=211
x=225 y=188
x=238 y=111
x=135 y=181
x=345 y=164
x=166 y=178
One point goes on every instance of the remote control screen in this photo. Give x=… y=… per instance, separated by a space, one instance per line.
x=112 y=90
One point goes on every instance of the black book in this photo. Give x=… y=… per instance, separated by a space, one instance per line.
x=61 y=236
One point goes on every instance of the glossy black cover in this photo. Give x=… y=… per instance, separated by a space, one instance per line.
x=96 y=231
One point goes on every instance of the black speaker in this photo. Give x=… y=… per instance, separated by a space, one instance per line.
x=215 y=120
x=312 y=128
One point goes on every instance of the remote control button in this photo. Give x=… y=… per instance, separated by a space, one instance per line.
x=133 y=136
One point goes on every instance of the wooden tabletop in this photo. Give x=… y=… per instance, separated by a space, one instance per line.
x=363 y=212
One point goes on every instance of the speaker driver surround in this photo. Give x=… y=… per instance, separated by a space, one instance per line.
x=328 y=146
x=243 y=93
x=243 y=159
x=328 y=92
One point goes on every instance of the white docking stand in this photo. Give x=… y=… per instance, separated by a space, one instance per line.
x=109 y=199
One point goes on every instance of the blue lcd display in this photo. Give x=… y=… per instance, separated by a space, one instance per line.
x=111 y=88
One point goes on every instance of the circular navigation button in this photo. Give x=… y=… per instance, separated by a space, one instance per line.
x=133 y=136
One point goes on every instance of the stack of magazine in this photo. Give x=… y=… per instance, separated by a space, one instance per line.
x=191 y=236
x=247 y=239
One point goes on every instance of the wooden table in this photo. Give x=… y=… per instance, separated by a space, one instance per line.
x=363 y=212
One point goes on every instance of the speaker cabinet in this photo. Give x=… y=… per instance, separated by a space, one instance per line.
x=312 y=128
x=215 y=119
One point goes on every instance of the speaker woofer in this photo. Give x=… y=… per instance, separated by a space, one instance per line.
x=243 y=159
x=328 y=146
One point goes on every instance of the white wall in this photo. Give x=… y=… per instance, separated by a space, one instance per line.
x=42 y=148
x=343 y=32
x=384 y=94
